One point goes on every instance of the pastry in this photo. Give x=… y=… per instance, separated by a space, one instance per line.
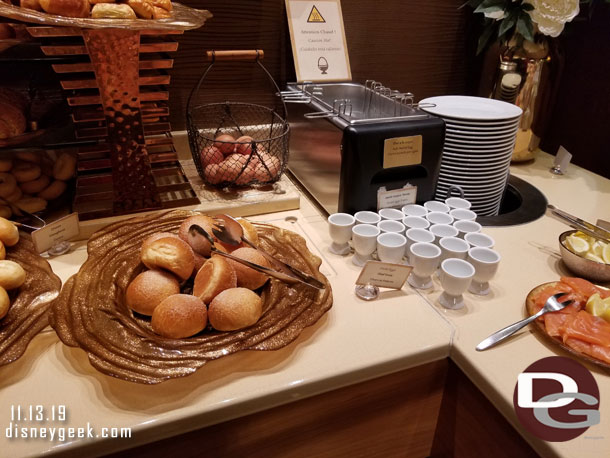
x=12 y=274
x=31 y=4
x=15 y=195
x=68 y=8
x=142 y=8
x=169 y=253
x=7 y=184
x=5 y=303
x=179 y=316
x=95 y=2
x=199 y=244
x=64 y=167
x=164 y=4
x=149 y=289
x=31 y=204
x=246 y=276
x=5 y=165
x=9 y=234
x=214 y=277
x=112 y=11
x=35 y=186
x=160 y=13
x=12 y=120
x=54 y=190
x=25 y=171
x=235 y=308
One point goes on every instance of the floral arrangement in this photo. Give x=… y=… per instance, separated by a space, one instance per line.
x=519 y=20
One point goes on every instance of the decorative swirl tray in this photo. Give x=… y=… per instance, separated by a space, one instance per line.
x=91 y=313
x=30 y=304
x=183 y=18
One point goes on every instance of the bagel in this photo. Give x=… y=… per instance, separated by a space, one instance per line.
x=7 y=184
x=26 y=171
x=5 y=165
x=64 y=167
x=54 y=190
x=35 y=186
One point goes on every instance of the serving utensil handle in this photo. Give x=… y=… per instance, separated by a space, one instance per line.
x=502 y=334
x=579 y=224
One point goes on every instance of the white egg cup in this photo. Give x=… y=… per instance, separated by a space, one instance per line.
x=439 y=218
x=367 y=217
x=434 y=206
x=390 y=225
x=416 y=235
x=453 y=247
x=391 y=214
x=415 y=222
x=414 y=210
x=466 y=227
x=424 y=259
x=340 y=230
x=485 y=262
x=443 y=230
x=364 y=241
x=455 y=276
x=458 y=202
x=463 y=214
x=391 y=247
x=478 y=239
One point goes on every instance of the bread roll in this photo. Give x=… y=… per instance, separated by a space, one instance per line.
x=31 y=204
x=169 y=253
x=2 y=251
x=246 y=276
x=112 y=11
x=12 y=274
x=160 y=13
x=199 y=244
x=31 y=4
x=9 y=234
x=165 y=4
x=64 y=167
x=149 y=289
x=235 y=308
x=5 y=211
x=214 y=277
x=13 y=120
x=143 y=8
x=179 y=316
x=68 y=8
x=5 y=303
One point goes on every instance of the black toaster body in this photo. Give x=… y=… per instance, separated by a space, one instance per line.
x=362 y=161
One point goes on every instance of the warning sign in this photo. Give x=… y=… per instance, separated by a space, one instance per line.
x=315 y=15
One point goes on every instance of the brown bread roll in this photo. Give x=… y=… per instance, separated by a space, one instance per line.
x=12 y=275
x=12 y=120
x=9 y=234
x=68 y=8
x=169 y=253
x=149 y=289
x=143 y=8
x=5 y=303
x=160 y=13
x=214 y=277
x=199 y=244
x=235 y=308
x=246 y=276
x=179 y=316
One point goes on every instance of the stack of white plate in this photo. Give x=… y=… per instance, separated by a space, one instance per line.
x=479 y=140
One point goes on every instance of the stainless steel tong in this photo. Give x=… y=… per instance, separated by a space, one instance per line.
x=579 y=224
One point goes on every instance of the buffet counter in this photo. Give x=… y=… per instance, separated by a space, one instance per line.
x=354 y=342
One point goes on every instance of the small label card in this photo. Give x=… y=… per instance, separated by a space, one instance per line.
x=58 y=231
x=384 y=274
x=401 y=151
x=396 y=198
x=318 y=40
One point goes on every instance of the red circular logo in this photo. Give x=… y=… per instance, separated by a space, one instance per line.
x=556 y=399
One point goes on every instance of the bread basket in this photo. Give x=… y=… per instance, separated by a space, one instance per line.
x=253 y=149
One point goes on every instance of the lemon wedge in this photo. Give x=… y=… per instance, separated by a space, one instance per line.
x=578 y=244
x=606 y=253
x=594 y=257
x=598 y=247
x=597 y=306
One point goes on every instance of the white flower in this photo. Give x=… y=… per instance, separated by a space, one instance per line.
x=551 y=15
x=497 y=15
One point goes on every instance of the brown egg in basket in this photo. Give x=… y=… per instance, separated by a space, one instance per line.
x=30 y=304
x=91 y=313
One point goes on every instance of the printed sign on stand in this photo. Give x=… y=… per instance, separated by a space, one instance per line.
x=318 y=40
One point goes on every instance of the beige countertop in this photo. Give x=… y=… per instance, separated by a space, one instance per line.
x=353 y=342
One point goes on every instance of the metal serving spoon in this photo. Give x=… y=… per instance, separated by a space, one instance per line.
x=232 y=233
x=197 y=231
x=551 y=305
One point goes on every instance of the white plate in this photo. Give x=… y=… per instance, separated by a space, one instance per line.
x=478 y=127
x=475 y=155
x=460 y=144
x=475 y=167
x=456 y=150
x=480 y=132
x=471 y=108
x=474 y=188
x=474 y=173
x=478 y=136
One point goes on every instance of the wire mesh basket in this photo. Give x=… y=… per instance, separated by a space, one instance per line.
x=236 y=144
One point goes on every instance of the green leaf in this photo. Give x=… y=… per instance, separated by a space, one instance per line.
x=529 y=6
x=485 y=36
x=489 y=6
x=508 y=23
x=472 y=3
x=525 y=26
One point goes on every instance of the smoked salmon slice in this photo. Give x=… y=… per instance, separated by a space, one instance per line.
x=588 y=328
x=555 y=322
x=584 y=287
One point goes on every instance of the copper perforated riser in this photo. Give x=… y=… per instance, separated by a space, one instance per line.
x=119 y=99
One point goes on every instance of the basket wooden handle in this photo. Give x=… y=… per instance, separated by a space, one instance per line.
x=243 y=55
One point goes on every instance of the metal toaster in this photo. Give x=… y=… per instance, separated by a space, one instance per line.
x=350 y=141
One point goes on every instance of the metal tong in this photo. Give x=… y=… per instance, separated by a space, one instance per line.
x=289 y=278
x=579 y=224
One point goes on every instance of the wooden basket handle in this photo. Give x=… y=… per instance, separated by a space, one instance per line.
x=245 y=55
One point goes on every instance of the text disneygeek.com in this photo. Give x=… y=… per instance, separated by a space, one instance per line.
x=30 y=422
